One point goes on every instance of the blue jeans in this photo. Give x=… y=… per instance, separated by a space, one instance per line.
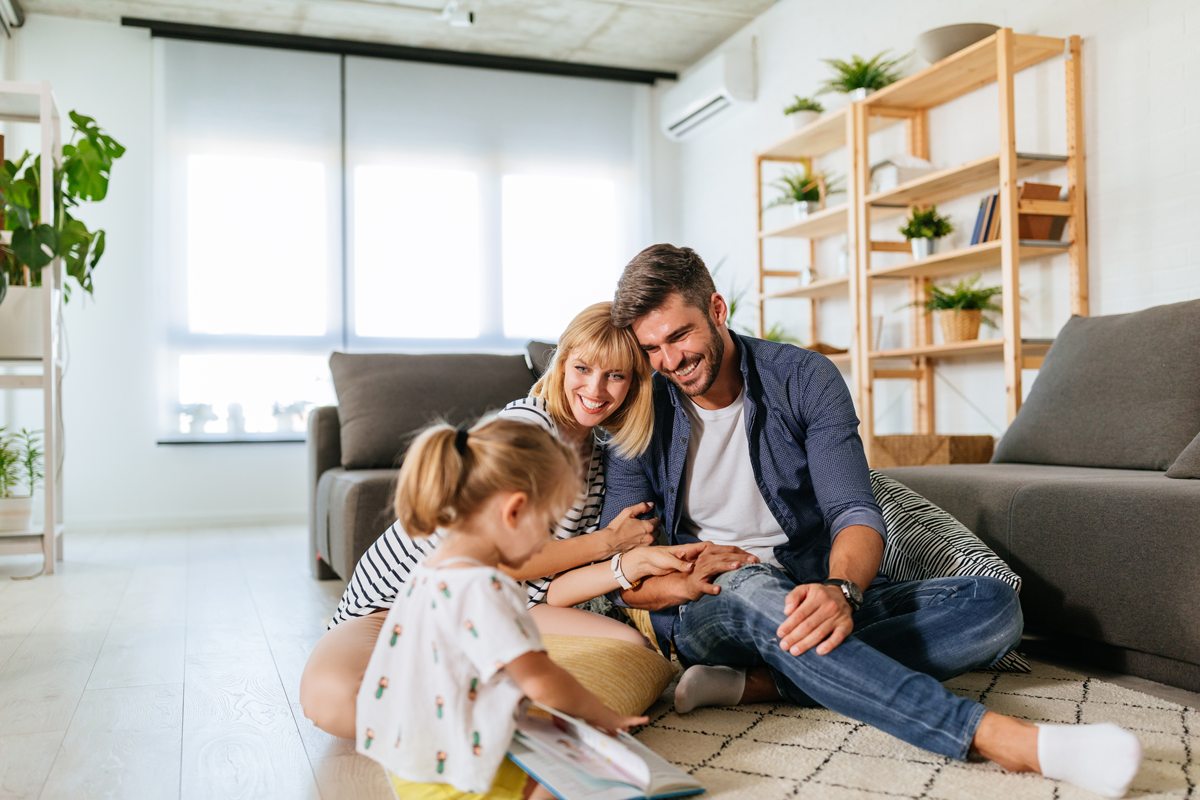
x=907 y=637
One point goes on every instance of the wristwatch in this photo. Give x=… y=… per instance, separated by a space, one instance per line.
x=850 y=591
x=622 y=581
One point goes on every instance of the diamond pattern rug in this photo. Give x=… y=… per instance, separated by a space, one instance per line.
x=766 y=752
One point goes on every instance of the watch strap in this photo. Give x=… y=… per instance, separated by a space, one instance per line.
x=851 y=600
x=615 y=565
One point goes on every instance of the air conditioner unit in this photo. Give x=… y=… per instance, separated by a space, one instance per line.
x=11 y=14
x=708 y=94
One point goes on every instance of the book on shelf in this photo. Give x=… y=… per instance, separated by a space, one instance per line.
x=578 y=762
x=979 y=221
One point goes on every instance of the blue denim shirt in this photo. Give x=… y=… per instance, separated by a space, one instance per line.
x=808 y=459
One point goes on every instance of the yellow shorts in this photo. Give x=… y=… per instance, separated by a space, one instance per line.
x=508 y=785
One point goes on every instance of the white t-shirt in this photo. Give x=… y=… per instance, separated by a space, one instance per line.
x=721 y=501
x=436 y=705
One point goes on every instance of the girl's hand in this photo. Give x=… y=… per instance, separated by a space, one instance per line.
x=643 y=562
x=626 y=531
x=611 y=722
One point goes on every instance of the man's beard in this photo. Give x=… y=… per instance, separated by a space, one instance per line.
x=712 y=358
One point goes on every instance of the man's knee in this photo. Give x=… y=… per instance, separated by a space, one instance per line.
x=999 y=613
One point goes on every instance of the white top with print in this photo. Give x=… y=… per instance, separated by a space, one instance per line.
x=388 y=563
x=436 y=705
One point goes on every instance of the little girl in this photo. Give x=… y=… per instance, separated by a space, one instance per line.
x=459 y=651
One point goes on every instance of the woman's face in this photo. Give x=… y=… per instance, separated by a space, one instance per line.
x=595 y=391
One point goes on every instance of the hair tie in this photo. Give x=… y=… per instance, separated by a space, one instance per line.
x=460 y=441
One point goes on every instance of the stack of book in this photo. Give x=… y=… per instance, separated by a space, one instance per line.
x=1030 y=227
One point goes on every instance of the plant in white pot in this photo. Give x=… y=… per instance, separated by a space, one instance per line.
x=804 y=190
x=82 y=175
x=21 y=462
x=924 y=228
x=860 y=77
x=803 y=111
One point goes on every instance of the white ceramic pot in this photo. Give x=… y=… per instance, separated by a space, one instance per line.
x=21 y=322
x=16 y=513
x=801 y=119
x=860 y=94
x=923 y=248
x=802 y=210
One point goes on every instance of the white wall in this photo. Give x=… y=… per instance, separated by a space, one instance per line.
x=1141 y=68
x=114 y=471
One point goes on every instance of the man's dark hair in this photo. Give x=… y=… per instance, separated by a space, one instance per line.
x=654 y=275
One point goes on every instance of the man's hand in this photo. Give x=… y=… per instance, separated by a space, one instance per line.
x=677 y=588
x=818 y=616
x=626 y=531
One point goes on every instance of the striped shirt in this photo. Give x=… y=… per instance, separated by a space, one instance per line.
x=387 y=564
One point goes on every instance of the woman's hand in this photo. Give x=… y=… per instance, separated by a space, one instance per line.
x=626 y=531
x=643 y=562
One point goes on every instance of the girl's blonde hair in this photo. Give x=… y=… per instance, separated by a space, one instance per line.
x=440 y=486
x=593 y=338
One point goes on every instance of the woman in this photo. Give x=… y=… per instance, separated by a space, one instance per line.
x=599 y=379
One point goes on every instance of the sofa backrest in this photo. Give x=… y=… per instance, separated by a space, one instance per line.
x=383 y=398
x=1121 y=391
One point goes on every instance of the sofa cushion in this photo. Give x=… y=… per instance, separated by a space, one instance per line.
x=538 y=354
x=383 y=398
x=1118 y=391
x=1188 y=463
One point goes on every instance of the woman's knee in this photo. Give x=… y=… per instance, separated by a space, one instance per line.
x=333 y=673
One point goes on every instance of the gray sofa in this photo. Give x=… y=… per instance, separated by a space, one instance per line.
x=355 y=448
x=1093 y=495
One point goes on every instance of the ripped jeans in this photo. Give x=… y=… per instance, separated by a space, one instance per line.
x=907 y=637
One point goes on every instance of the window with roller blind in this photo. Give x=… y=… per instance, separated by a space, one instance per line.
x=313 y=202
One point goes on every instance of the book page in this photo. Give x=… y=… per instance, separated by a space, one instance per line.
x=561 y=778
x=563 y=742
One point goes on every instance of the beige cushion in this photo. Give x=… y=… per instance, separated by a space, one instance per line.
x=628 y=678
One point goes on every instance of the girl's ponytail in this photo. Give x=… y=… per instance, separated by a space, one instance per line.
x=448 y=475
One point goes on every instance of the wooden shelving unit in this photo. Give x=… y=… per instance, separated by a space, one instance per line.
x=995 y=59
x=35 y=103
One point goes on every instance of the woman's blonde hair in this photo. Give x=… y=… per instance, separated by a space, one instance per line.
x=449 y=474
x=593 y=338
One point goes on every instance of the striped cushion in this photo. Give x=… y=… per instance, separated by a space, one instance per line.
x=925 y=542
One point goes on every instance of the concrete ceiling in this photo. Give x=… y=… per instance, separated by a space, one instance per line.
x=668 y=35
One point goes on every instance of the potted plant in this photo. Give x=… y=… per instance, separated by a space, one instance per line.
x=805 y=191
x=960 y=308
x=20 y=465
x=859 y=77
x=803 y=111
x=83 y=174
x=922 y=229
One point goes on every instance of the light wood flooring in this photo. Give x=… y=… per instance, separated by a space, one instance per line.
x=166 y=664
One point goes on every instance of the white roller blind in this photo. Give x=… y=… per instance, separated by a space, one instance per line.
x=249 y=174
x=499 y=203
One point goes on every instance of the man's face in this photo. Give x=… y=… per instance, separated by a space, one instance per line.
x=683 y=343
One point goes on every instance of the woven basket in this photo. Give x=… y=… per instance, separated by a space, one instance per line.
x=960 y=325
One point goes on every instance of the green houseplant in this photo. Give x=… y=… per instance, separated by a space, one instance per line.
x=82 y=176
x=804 y=190
x=923 y=228
x=960 y=307
x=858 y=77
x=803 y=111
x=21 y=460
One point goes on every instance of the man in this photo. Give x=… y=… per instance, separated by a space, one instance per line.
x=756 y=451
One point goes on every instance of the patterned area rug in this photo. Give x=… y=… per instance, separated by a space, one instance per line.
x=766 y=752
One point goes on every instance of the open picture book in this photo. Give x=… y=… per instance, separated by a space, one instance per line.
x=578 y=762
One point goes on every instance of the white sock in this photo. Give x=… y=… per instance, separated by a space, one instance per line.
x=709 y=686
x=1100 y=758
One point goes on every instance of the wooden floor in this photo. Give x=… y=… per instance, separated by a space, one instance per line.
x=166 y=664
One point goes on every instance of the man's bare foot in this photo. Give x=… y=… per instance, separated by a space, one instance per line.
x=1011 y=743
x=760 y=687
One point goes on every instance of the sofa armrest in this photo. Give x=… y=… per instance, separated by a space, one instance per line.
x=324 y=453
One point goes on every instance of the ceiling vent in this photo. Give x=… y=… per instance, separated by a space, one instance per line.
x=708 y=94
